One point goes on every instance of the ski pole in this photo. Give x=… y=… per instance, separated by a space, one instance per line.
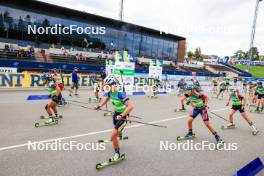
x=219 y=116
x=77 y=101
x=145 y=123
x=137 y=117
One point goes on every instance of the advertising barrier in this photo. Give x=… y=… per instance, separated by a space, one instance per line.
x=32 y=80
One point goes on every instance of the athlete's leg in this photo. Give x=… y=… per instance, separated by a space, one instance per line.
x=231 y=114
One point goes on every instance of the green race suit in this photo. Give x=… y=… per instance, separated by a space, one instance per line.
x=51 y=87
x=118 y=99
x=223 y=86
x=197 y=101
x=259 y=90
x=236 y=99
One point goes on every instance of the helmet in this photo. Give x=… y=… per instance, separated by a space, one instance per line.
x=233 y=89
x=44 y=76
x=110 y=79
x=189 y=87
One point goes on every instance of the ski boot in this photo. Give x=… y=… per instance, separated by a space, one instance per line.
x=254 y=130
x=114 y=158
x=50 y=120
x=229 y=126
x=219 y=142
x=188 y=136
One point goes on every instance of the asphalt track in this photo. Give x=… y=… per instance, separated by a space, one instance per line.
x=143 y=154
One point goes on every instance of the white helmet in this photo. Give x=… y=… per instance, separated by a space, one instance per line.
x=233 y=89
x=111 y=79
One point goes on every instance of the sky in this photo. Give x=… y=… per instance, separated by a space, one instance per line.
x=218 y=27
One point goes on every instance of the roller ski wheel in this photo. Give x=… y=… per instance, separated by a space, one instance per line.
x=46 y=117
x=109 y=162
x=108 y=113
x=255 y=132
x=219 y=144
x=109 y=140
x=37 y=124
x=179 y=110
x=223 y=127
x=182 y=138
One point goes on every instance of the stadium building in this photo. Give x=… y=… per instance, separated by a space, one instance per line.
x=104 y=34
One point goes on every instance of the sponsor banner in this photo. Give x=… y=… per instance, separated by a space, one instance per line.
x=32 y=80
x=125 y=72
x=8 y=70
x=255 y=79
x=155 y=72
x=109 y=69
x=187 y=78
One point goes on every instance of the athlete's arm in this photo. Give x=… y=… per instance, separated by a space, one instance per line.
x=206 y=99
x=104 y=102
x=129 y=108
x=227 y=104
x=243 y=100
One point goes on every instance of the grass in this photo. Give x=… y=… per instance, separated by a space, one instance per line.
x=256 y=71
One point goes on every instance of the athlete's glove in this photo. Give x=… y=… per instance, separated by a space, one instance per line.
x=119 y=117
x=188 y=102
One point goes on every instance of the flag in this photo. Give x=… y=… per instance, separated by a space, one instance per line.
x=126 y=56
x=150 y=62
x=117 y=59
x=157 y=63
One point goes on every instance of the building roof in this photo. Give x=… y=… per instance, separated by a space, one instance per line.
x=63 y=12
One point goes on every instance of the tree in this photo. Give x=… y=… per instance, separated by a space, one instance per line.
x=253 y=53
x=198 y=54
x=241 y=55
x=190 y=54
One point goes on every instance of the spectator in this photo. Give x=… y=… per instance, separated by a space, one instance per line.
x=75 y=82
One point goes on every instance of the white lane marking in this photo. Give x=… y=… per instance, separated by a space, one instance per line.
x=97 y=132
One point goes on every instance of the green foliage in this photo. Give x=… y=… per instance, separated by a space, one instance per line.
x=256 y=71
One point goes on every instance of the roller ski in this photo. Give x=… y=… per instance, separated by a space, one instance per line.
x=47 y=117
x=188 y=136
x=94 y=100
x=109 y=113
x=153 y=96
x=257 y=110
x=109 y=140
x=230 y=126
x=179 y=110
x=49 y=122
x=113 y=160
